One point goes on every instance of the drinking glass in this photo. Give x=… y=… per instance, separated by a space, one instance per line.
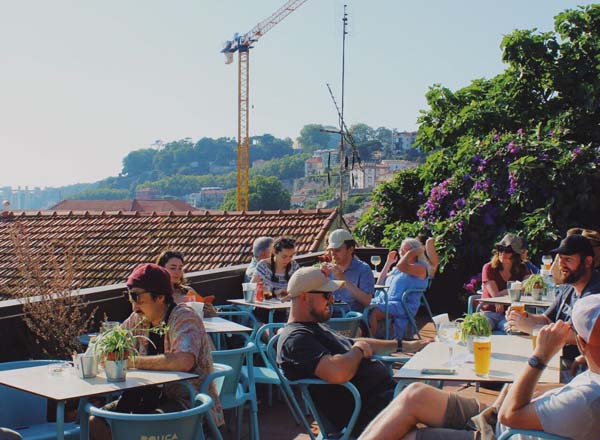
x=376 y=261
x=482 y=352
x=547 y=261
x=450 y=333
x=534 y=334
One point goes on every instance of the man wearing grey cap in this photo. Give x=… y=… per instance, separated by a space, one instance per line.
x=309 y=349
x=357 y=275
x=576 y=262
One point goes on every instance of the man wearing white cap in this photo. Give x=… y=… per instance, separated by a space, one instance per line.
x=570 y=411
x=357 y=275
x=308 y=349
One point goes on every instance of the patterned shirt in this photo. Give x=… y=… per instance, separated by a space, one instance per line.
x=263 y=270
x=186 y=334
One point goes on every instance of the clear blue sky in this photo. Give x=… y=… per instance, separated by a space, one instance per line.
x=84 y=83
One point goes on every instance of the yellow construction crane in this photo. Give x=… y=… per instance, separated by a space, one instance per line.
x=242 y=45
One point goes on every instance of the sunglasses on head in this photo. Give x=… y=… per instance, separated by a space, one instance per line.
x=326 y=295
x=505 y=249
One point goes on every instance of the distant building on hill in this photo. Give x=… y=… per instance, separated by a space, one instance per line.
x=211 y=197
x=125 y=205
x=403 y=140
x=314 y=165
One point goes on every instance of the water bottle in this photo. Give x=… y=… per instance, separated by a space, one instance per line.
x=259 y=292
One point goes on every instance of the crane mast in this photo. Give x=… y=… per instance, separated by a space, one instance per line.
x=242 y=44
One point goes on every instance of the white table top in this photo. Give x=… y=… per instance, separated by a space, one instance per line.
x=525 y=299
x=271 y=304
x=509 y=356
x=36 y=380
x=222 y=325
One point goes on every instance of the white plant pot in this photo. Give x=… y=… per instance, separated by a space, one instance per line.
x=116 y=371
x=536 y=294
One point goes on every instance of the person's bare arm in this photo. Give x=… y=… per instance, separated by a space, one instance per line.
x=432 y=255
x=361 y=296
x=340 y=368
x=525 y=323
x=517 y=410
x=415 y=270
x=380 y=346
x=168 y=361
x=391 y=259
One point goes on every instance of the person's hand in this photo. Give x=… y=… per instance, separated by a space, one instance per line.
x=365 y=347
x=551 y=339
x=326 y=269
x=392 y=258
x=499 y=308
x=338 y=272
x=516 y=321
x=578 y=362
x=416 y=252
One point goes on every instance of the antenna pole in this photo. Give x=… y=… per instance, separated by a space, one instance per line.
x=342 y=148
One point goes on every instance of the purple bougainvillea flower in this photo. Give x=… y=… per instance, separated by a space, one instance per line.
x=496 y=137
x=576 y=152
x=460 y=203
x=520 y=132
x=551 y=133
x=467 y=176
x=460 y=225
x=512 y=184
x=544 y=156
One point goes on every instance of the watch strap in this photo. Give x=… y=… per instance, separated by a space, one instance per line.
x=535 y=362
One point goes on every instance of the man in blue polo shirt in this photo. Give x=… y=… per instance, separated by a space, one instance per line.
x=359 y=282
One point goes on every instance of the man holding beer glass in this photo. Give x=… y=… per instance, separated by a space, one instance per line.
x=578 y=280
x=569 y=411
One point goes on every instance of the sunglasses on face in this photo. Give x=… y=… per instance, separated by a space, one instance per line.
x=133 y=296
x=504 y=249
x=326 y=295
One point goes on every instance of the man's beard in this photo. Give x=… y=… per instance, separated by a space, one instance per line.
x=320 y=316
x=574 y=276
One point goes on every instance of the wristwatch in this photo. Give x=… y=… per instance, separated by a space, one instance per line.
x=535 y=362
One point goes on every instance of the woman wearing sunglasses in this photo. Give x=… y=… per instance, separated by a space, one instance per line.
x=506 y=265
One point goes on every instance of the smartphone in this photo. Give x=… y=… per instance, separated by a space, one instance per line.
x=442 y=371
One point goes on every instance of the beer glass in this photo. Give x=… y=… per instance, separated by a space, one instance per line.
x=482 y=351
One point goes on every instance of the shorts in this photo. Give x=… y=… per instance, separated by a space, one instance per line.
x=457 y=421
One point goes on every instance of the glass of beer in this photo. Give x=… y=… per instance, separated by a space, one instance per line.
x=547 y=261
x=482 y=351
x=518 y=307
x=268 y=292
x=534 y=334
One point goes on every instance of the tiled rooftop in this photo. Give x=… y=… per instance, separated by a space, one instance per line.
x=108 y=245
x=139 y=205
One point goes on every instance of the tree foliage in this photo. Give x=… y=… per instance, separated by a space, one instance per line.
x=518 y=152
x=263 y=193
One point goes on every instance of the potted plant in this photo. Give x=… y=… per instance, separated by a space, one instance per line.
x=535 y=285
x=117 y=345
x=473 y=325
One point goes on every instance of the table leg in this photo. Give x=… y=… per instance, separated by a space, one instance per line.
x=387 y=317
x=84 y=422
x=60 y=420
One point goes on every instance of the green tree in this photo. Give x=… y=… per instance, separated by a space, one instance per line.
x=138 y=162
x=101 y=194
x=263 y=193
x=312 y=137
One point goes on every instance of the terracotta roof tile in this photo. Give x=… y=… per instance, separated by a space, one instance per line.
x=109 y=244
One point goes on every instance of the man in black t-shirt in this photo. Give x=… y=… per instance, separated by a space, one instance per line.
x=308 y=349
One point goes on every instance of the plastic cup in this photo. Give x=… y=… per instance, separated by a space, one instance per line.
x=249 y=290
x=86 y=365
x=482 y=352
x=107 y=325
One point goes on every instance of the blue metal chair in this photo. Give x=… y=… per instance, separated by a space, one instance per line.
x=536 y=434
x=409 y=314
x=242 y=317
x=185 y=424
x=303 y=384
x=234 y=393
x=473 y=301
x=347 y=326
x=266 y=374
x=26 y=413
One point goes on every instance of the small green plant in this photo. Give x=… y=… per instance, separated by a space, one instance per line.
x=119 y=343
x=534 y=282
x=475 y=324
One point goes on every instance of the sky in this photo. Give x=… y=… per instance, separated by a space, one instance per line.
x=84 y=83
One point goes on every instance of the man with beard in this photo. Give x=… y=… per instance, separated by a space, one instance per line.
x=578 y=279
x=309 y=349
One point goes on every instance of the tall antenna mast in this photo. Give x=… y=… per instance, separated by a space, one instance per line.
x=342 y=148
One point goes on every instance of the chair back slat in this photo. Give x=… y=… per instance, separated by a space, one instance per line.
x=346 y=326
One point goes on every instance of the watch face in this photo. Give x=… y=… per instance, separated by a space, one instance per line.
x=534 y=362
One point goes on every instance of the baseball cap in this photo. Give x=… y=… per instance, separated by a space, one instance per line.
x=152 y=278
x=575 y=244
x=311 y=279
x=512 y=240
x=586 y=314
x=338 y=237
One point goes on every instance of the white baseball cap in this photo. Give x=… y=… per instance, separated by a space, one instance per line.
x=338 y=237
x=311 y=279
